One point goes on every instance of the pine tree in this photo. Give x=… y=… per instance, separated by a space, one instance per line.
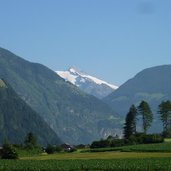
x=130 y=122
x=165 y=115
x=30 y=141
x=146 y=113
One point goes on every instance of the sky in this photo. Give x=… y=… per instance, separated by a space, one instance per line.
x=110 y=39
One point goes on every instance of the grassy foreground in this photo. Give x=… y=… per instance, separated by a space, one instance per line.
x=150 y=164
x=98 y=161
x=135 y=160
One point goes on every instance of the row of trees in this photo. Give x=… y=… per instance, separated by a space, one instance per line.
x=143 y=114
x=140 y=115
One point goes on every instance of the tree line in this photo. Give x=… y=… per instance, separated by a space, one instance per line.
x=141 y=115
x=143 y=112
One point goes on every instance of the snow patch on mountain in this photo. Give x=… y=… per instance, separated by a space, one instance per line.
x=98 y=81
x=67 y=76
x=73 y=74
x=87 y=83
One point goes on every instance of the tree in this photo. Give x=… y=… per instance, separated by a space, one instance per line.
x=130 y=122
x=165 y=115
x=147 y=116
x=30 y=140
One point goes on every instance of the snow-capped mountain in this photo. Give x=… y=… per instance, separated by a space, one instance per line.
x=87 y=83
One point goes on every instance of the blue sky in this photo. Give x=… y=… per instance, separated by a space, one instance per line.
x=110 y=39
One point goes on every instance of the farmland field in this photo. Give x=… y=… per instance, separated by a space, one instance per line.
x=96 y=161
x=139 y=160
x=140 y=164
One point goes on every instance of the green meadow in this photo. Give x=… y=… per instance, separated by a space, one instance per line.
x=135 y=158
x=124 y=164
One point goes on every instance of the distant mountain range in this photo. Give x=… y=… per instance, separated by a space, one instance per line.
x=152 y=85
x=73 y=115
x=17 y=119
x=87 y=83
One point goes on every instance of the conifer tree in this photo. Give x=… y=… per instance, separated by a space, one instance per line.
x=147 y=117
x=165 y=115
x=130 y=122
x=30 y=140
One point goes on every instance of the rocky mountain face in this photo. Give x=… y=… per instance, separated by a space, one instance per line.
x=87 y=83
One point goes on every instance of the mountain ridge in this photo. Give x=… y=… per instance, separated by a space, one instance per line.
x=75 y=116
x=151 y=84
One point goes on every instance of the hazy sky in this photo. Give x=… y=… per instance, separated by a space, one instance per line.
x=110 y=39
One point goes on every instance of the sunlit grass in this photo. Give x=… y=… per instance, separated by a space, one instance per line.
x=167 y=140
x=98 y=155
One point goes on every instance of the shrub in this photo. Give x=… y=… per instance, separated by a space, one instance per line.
x=141 y=138
x=100 y=144
x=167 y=134
x=8 y=152
x=117 y=143
x=50 y=149
x=153 y=138
x=58 y=148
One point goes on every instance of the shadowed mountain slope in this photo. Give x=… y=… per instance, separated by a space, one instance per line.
x=17 y=119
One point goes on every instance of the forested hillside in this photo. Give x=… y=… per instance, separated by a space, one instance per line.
x=17 y=119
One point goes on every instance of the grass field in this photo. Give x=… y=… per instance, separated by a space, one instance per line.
x=95 y=161
x=159 y=147
x=97 y=155
x=134 y=164
x=167 y=140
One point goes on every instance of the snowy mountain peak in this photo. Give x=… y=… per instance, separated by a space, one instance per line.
x=87 y=83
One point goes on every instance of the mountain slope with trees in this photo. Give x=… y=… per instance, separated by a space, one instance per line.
x=75 y=116
x=17 y=119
